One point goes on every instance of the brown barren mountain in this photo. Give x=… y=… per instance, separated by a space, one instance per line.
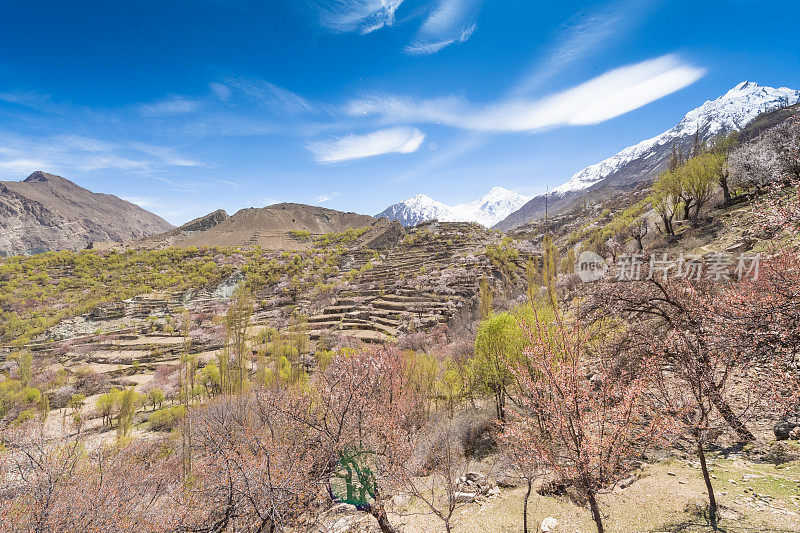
x=275 y=227
x=47 y=212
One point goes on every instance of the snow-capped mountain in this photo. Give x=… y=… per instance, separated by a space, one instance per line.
x=488 y=210
x=417 y=209
x=642 y=161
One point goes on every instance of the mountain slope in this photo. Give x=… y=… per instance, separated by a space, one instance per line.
x=284 y=226
x=488 y=210
x=47 y=212
x=643 y=161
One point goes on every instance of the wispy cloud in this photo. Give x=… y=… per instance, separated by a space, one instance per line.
x=220 y=90
x=451 y=21
x=581 y=36
x=32 y=100
x=171 y=105
x=165 y=156
x=75 y=153
x=141 y=201
x=262 y=93
x=364 y=16
x=401 y=140
x=322 y=198
x=612 y=94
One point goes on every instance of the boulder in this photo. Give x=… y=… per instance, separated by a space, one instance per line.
x=549 y=524
x=784 y=427
x=476 y=477
x=345 y=518
x=464 y=497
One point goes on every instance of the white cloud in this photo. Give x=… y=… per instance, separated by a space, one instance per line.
x=171 y=105
x=578 y=38
x=220 y=90
x=399 y=140
x=364 y=16
x=73 y=153
x=32 y=100
x=165 y=156
x=322 y=198
x=141 y=201
x=263 y=93
x=451 y=21
x=583 y=35
x=607 y=96
x=21 y=166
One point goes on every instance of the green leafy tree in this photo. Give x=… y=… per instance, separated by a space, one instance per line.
x=666 y=200
x=531 y=279
x=238 y=323
x=499 y=342
x=129 y=402
x=156 y=398
x=107 y=404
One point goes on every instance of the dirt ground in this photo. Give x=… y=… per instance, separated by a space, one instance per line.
x=669 y=496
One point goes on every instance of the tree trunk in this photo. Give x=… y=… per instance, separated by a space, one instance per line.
x=726 y=192
x=377 y=511
x=712 y=501
x=502 y=405
x=667 y=225
x=525 y=507
x=731 y=418
x=596 y=516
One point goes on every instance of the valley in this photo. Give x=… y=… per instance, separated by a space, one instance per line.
x=298 y=368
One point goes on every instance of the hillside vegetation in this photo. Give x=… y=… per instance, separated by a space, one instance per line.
x=443 y=377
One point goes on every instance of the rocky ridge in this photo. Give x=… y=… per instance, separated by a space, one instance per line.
x=47 y=212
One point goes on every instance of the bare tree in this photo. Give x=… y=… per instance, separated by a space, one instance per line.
x=585 y=417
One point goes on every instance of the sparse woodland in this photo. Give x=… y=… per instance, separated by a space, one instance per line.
x=570 y=388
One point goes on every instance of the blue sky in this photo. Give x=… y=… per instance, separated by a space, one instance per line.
x=186 y=106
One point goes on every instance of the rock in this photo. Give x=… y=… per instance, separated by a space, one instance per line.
x=795 y=433
x=400 y=500
x=738 y=247
x=464 y=497
x=345 y=518
x=476 y=477
x=780 y=452
x=341 y=509
x=785 y=426
x=509 y=481
x=549 y=524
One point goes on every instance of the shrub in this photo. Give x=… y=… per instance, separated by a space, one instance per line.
x=167 y=418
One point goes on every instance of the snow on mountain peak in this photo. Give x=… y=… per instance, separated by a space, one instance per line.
x=731 y=111
x=488 y=210
x=742 y=85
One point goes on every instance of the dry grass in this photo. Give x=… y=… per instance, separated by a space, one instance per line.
x=656 y=502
